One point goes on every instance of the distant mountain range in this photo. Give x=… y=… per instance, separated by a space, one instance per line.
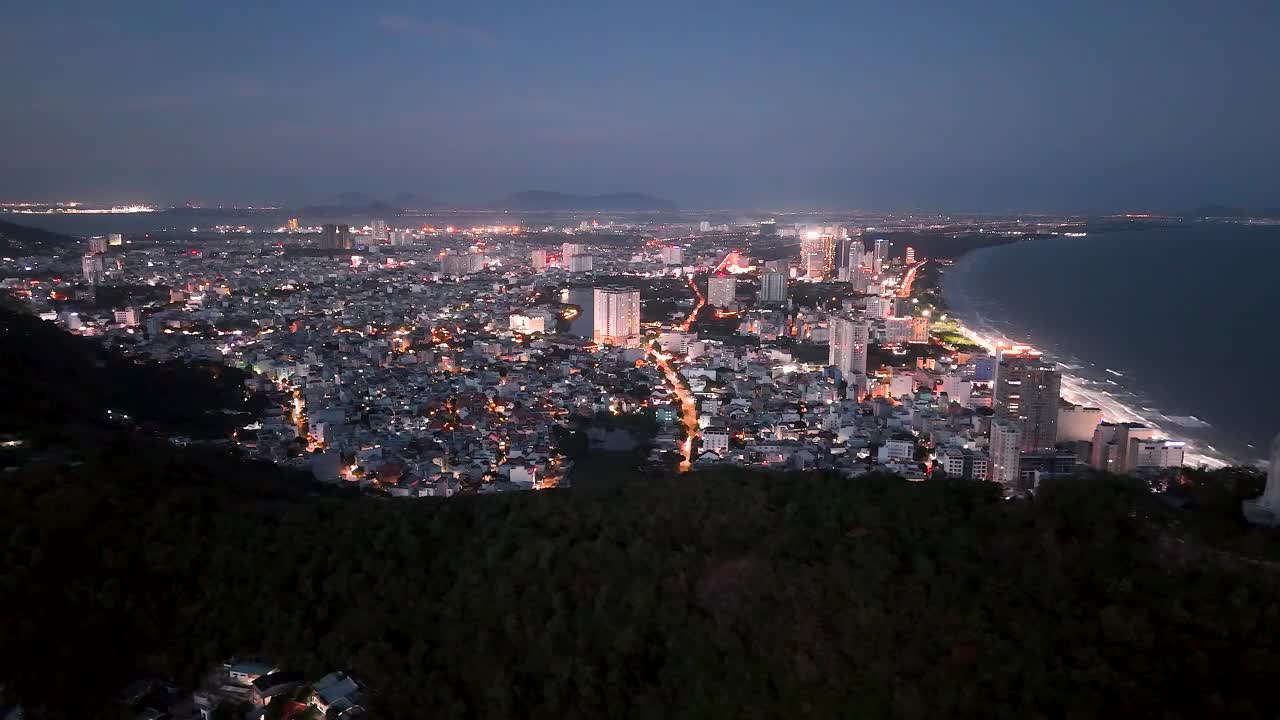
x=1232 y=212
x=348 y=202
x=529 y=200
x=552 y=200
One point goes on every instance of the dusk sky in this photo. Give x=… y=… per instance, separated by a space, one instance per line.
x=940 y=105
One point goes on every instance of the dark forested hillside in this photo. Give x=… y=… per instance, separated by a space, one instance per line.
x=707 y=595
x=719 y=594
x=21 y=239
x=54 y=381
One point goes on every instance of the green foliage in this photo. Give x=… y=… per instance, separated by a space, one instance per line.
x=706 y=594
x=54 y=378
x=711 y=594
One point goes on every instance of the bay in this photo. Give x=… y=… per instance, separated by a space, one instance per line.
x=1175 y=324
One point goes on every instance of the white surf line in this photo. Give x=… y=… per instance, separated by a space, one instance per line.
x=1075 y=391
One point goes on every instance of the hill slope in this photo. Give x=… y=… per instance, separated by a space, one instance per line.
x=23 y=240
x=714 y=595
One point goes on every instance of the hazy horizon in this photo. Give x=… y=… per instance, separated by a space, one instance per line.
x=1054 y=107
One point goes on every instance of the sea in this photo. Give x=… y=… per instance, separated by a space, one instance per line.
x=1169 y=326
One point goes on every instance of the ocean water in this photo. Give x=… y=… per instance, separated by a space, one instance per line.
x=82 y=225
x=1176 y=325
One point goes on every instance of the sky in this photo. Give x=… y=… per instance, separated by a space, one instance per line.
x=943 y=105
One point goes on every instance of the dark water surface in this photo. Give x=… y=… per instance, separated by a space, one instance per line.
x=1180 y=323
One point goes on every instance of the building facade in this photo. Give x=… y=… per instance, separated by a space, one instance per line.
x=721 y=291
x=1006 y=451
x=617 y=315
x=1027 y=389
x=848 y=346
x=773 y=288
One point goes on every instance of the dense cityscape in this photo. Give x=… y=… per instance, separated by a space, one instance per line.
x=647 y=360
x=418 y=361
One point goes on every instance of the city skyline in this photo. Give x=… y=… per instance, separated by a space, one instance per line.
x=404 y=359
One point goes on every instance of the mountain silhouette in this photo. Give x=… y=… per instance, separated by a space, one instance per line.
x=553 y=200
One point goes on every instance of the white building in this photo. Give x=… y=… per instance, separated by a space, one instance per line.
x=526 y=323
x=721 y=291
x=901 y=385
x=960 y=463
x=716 y=441
x=773 y=288
x=1112 y=442
x=958 y=389
x=568 y=250
x=539 y=260
x=617 y=315
x=879 y=306
x=848 y=345
x=897 y=450
x=128 y=317
x=676 y=342
x=672 y=256
x=1076 y=423
x=1006 y=441
x=580 y=263
x=378 y=231
x=1157 y=453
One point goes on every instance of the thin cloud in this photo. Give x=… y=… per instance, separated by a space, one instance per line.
x=437 y=30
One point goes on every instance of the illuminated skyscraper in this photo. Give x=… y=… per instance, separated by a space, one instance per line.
x=721 y=291
x=848 y=345
x=1006 y=450
x=617 y=315
x=293 y=224
x=911 y=255
x=817 y=254
x=580 y=263
x=880 y=256
x=378 y=231
x=115 y=239
x=568 y=250
x=1027 y=390
x=672 y=256
x=773 y=288
x=97 y=245
x=539 y=260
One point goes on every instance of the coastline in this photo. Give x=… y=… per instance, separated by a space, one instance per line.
x=1077 y=387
